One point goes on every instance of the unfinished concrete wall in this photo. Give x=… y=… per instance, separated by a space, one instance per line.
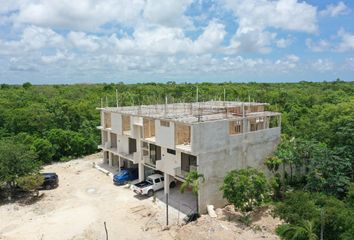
x=227 y=152
x=183 y=134
x=117 y=123
x=170 y=161
x=107 y=120
x=123 y=144
x=113 y=140
x=165 y=134
x=102 y=118
x=148 y=127
x=136 y=124
x=126 y=123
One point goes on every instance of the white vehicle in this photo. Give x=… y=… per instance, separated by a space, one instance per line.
x=152 y=184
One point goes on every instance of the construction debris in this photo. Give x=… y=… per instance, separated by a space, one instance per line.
x=211 y=211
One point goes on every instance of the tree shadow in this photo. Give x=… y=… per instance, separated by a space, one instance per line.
x=22 y=198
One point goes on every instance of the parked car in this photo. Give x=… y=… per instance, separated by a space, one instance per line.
x=152 y=184
x=51 y=180
x=125 y=175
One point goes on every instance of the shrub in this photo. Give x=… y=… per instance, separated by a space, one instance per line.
x=245 y=189
x=30 y=183
x=303 y=231
x=334 y=215
x=44 y=149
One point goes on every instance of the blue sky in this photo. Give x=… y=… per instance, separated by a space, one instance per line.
x=89 y=41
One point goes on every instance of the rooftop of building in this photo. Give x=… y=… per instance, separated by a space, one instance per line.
x=195 y=112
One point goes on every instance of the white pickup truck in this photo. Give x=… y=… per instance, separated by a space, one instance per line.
x=152 y=184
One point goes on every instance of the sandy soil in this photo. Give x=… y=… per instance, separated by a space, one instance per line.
x=228 y=227
x=78 y=208
x=86 y=198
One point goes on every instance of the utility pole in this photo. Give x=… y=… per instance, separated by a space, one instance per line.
x=117 y=97
x=197 y=94
x=166 y=209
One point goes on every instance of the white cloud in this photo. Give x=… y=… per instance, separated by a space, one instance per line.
x=32 y=38
x=349 y=64
x=83 y=41
x=167 y=12
x=60 y=55
x=169 y=41
x=284 y=42
x=323 y=65
x=346 y=41
x=332 y=10
x=286 y=64
x=254 y=17
x=320 y=46
x=210 y=39
x=87 y=15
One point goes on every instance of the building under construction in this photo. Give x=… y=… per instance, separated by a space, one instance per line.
x=211 y=137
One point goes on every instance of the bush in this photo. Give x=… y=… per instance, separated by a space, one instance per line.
x=296 y=207
x=334 y=215
x=31 y=182
x=303 y=231
x=245 y=189
x=44 y=149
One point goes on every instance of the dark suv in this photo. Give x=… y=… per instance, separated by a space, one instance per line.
x=51 y=180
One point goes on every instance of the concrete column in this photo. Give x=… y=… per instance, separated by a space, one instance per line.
x=166 y=183
x=105 y=160
x=141 y=172
x=245 y=125
x=109 y=138
x=119 y=164
x=110 y=159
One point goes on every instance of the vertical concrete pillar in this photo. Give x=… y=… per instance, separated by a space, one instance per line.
x=105 y=160
x=109 y=139
x=166 y=183
x=141 y=172
x=110 y=159
x=119 y=164
x=245 y=125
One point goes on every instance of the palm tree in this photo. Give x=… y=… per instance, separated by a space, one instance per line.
x=193 y=180
x=304 y=231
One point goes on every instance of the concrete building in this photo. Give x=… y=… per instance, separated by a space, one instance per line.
x=211 y=137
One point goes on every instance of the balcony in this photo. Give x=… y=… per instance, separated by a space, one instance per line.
x=160 y=165
x=182 y=174
x=184 y=147
x=113 y=149
x=127 y=133
x=136 y=157
x=150 y=139
x=129 y=156
x=149 y=162
x=104 y=146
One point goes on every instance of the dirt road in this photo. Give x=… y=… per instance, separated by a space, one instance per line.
x=86 y=198
x=78 y=208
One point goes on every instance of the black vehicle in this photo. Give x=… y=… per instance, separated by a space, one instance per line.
x=51 y=180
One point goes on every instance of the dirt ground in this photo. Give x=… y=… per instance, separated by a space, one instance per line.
x=227 y=226
x=86 y=198
x=78 y=208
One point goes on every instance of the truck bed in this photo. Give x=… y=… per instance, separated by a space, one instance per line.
x=142 y=184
